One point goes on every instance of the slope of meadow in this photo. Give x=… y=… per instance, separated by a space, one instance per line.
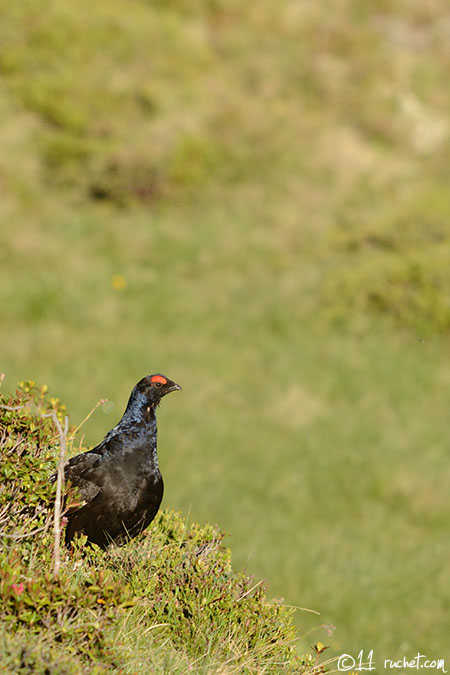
x=168 y=601
x=253 y=199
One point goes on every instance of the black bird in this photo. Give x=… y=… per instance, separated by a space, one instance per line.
x=118 y=484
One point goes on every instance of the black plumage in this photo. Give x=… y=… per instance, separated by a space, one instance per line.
x=118 y=484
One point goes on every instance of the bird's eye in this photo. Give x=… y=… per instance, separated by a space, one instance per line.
x=157 y=384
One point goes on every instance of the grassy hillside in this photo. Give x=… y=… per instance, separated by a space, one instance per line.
x=255 y=201
x=168 y=601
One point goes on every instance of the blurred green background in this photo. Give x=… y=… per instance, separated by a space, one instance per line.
x=253 y=199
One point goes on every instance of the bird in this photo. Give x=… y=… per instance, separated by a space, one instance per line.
x=117 y=485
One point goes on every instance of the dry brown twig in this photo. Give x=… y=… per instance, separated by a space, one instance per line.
x=62 y=433
x=25 y=534
x=102 y=401
x=13 y=407
x=59 y=488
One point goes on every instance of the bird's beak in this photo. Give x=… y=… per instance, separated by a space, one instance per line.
x=174 y=387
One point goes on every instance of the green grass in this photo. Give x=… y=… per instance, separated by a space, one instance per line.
x=272 y=183
x=168 y=601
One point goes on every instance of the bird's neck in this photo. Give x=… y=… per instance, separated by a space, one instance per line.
x=138 y=410
x=138 y=417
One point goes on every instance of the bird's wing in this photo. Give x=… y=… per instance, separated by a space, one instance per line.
x=85 y=479
x=81 y=464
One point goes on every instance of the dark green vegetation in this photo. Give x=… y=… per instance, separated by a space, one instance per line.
x=167 y=602
x=252 y=197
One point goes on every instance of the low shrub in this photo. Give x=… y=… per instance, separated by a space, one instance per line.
x=167 y=601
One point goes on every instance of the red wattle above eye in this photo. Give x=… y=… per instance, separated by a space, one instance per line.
x=159 y=378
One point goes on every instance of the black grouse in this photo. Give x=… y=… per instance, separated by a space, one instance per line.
x=118 y=484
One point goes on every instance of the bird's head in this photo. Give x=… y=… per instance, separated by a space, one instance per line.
x=154 y=387
x=145 y=397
